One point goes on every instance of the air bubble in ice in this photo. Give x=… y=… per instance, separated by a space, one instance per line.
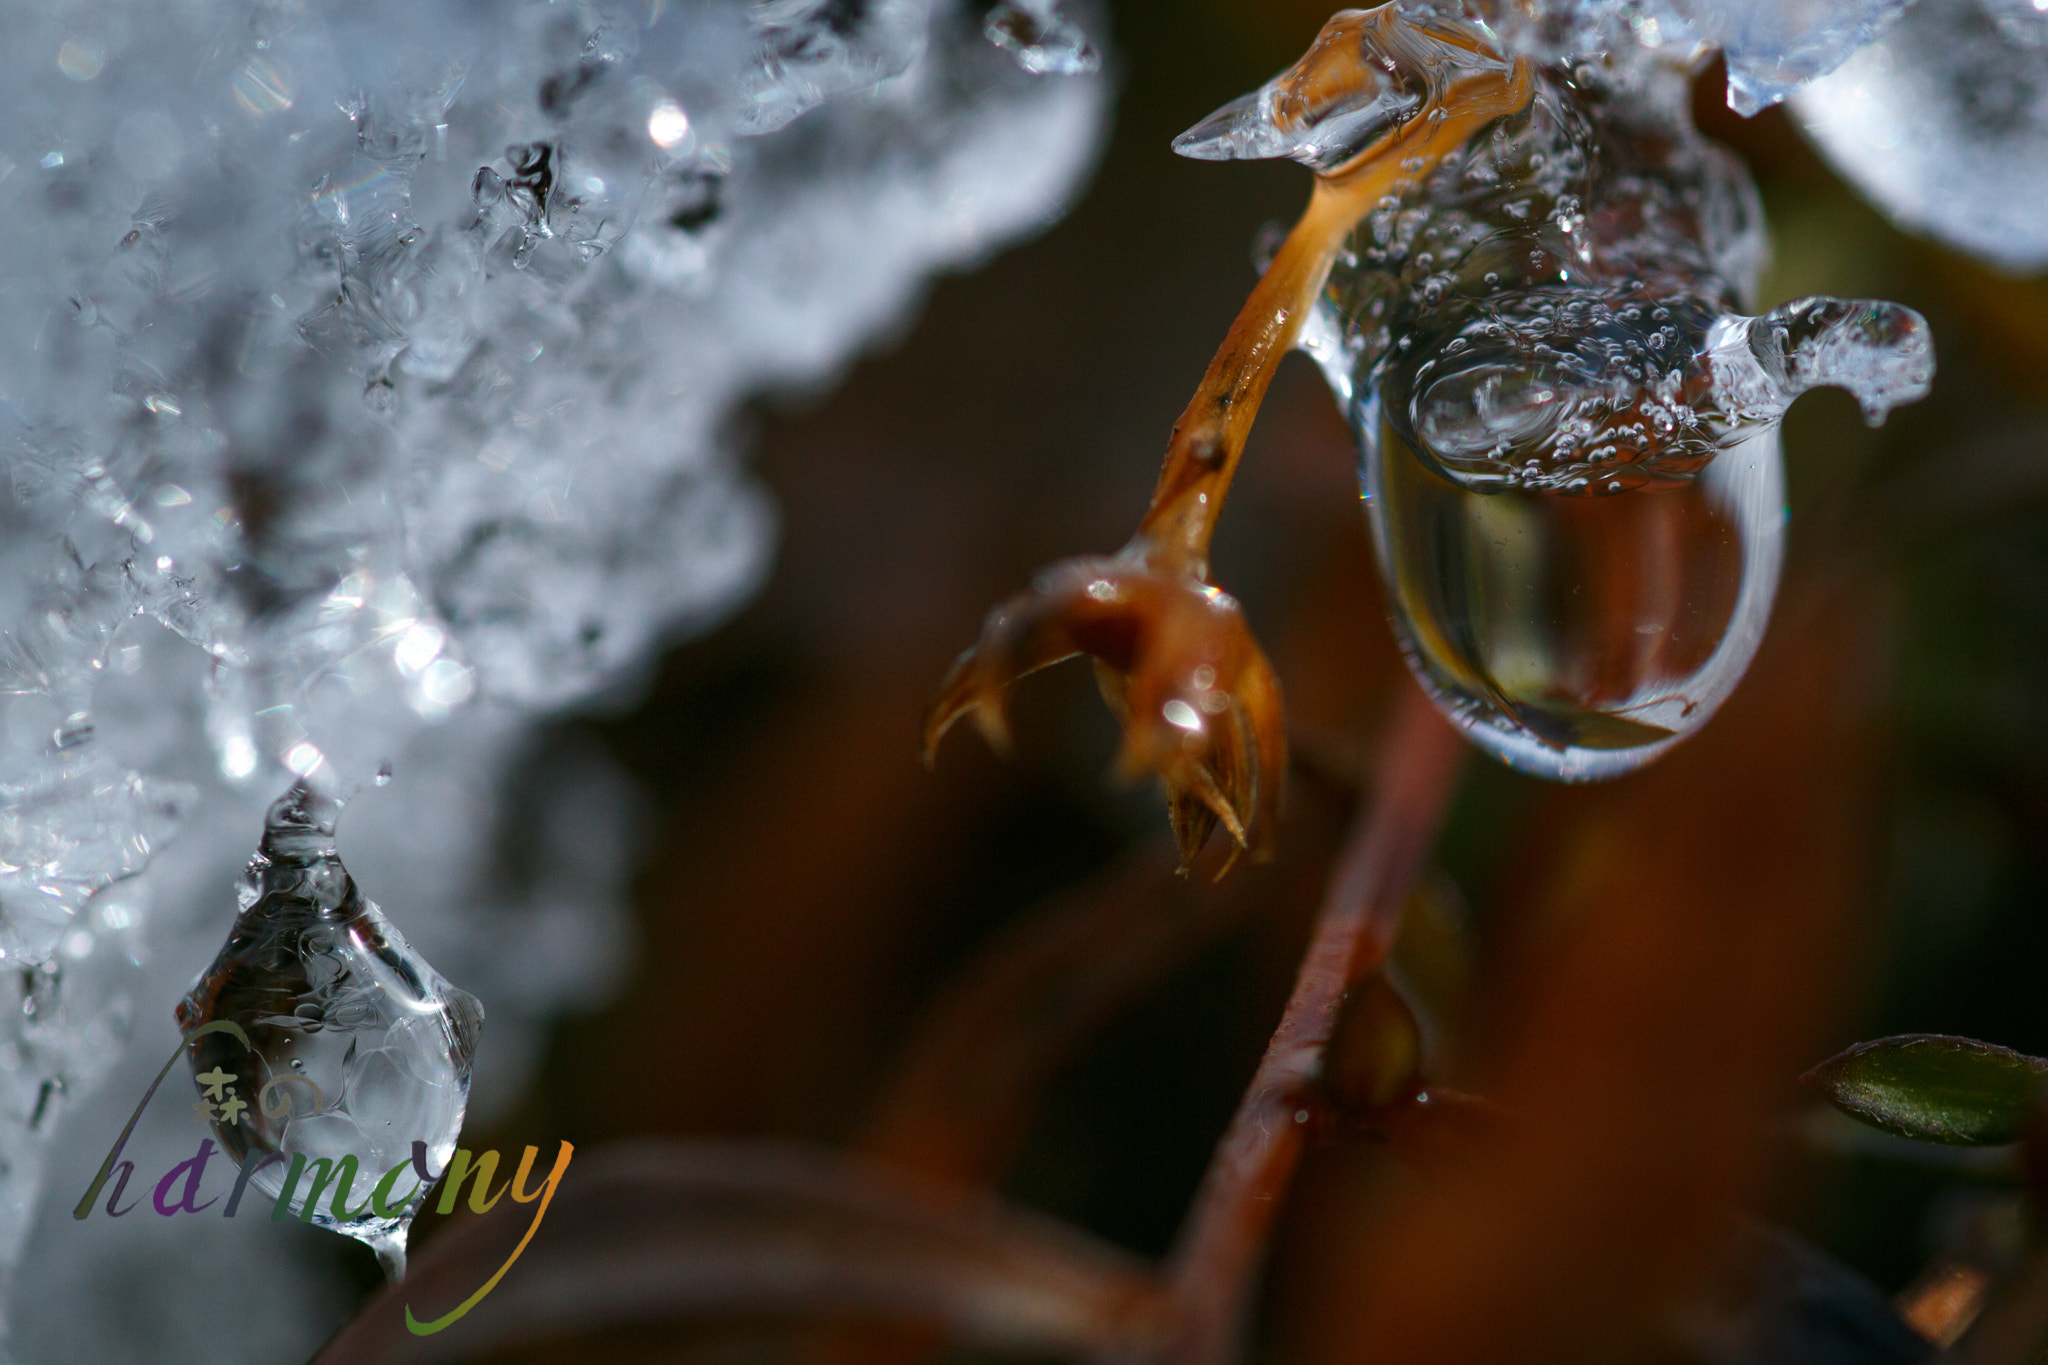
x=1042 y=39
x=360 y=1048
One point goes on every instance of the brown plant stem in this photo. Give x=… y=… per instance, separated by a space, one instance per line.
x=1223 y=1243
x=655 y=1231
x=974 y=1074
x=1209 y=439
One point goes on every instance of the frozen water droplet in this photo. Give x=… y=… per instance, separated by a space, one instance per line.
x=383 y=777
x=1578 y=637
x=360 y=1048
x=1568 y=427
x=1043 y=40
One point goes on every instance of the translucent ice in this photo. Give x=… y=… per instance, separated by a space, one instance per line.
x=73 y=820
x=1304 y=115
x=1775 y=46
x=1880 y=352
x=385 y=354
x=1772 y=46
x=1568 y=424
x=358 y=1047
x=1943 y=123
x=811 y=50
x=1573 y=390
x=1042 y=39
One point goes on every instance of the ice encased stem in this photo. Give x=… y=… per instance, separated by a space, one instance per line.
x=1569 y=424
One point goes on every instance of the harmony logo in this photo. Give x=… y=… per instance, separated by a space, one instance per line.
x=179 y=1189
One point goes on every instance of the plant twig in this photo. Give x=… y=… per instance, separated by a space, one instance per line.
x=2014 y=1328
x=1223 y=1244
x=660 y=1230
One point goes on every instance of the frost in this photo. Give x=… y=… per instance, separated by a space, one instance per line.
x=1943 y=123
x=380 y=358
x=1772 y=46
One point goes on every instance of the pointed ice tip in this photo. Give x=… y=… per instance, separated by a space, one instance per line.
x=1750 y=98
x=1239 y=131
x=302 y=821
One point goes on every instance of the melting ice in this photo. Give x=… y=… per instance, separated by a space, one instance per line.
x=360 y=1048
x=1568 y=423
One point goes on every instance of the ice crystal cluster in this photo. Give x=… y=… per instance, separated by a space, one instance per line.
x=1772 y=46
x=1944 y=124
x=366 y=379
x=1935 y=109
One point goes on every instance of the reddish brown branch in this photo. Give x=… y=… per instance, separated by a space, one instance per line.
x=1224 y=1241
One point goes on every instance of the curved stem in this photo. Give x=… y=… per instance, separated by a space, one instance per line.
x=1209 y=439
x=1223 y=1243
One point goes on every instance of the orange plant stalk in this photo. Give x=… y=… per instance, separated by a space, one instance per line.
x=1199 y=703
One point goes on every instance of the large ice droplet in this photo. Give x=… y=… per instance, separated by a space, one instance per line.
x=1578 y=637
x=360 y=1048
x=1568 y=426
x=1581 y=563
